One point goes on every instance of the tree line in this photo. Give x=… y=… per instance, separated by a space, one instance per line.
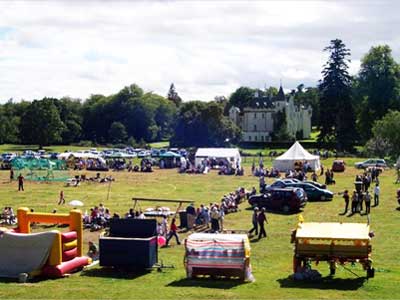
x=130 y=117
x=347 y=110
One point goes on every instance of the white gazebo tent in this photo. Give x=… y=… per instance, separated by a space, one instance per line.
x=232 y=155
x=296 y=153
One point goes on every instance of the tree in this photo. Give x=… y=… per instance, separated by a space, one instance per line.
x=203 y=124
x=241 y=97
x=41 y=123
x=70 y=111
x=377 y=88
x=387 y=131
x=117 y=133
x=337 y=114
x=173 y=95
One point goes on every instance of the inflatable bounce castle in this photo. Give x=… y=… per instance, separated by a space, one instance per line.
x=51 y=254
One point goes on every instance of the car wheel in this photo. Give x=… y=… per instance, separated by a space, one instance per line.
x=285 y=208
x=323 y=198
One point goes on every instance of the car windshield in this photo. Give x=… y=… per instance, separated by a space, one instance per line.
x=278 y=184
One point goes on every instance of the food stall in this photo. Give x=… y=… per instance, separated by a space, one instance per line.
x=335 y=243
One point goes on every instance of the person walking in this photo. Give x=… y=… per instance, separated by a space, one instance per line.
x=214 y=219
x=346 y=198
x=254 y=221
x=164 y=226
x=354 y=202
x=62 y=199
x=367 y=202
x=377 y=191
x=262 y=184
x=11 y=174
x=20 y=182
x=221 y=218
x=261 y=218
x=173 y=232
x=314 y=176
x=360 y=201
x=191 y=216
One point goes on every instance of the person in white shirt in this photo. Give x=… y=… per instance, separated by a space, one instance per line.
x=164 y=226
x=377 y=191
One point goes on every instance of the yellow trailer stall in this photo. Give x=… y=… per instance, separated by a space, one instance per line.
x=336 y=243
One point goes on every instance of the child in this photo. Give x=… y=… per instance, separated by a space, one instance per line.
x=172 y=232
x=93 y=252
x=62 y=199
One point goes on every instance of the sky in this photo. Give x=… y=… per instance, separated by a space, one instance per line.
x=207 y=49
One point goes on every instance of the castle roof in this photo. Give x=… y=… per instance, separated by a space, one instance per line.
x=281 y=95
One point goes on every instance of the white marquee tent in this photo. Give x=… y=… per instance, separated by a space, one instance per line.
x=230 y=154
x=296 y=153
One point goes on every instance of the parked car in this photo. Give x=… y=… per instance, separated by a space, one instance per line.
x=380 y=163
x=155 y=153
x=30 y=154
x=144 y=153
x=285 y=200
x=338 y=166
x=314 y=193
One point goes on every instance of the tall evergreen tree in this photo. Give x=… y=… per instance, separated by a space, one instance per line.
x=337 y=115
x=173 y=95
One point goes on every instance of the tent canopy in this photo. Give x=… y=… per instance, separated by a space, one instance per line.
x=230 y=154
x=296 y=153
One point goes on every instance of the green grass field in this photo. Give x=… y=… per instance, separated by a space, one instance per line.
x=271 y=258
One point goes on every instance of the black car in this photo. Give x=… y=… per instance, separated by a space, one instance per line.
x=282 y=199
x=314 y=193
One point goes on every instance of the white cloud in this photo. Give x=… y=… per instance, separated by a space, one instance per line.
x=205 y=48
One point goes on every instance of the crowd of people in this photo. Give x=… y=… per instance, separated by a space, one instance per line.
x=260 y=171
x=98 y=218
x=8 y=216
x=361 y=196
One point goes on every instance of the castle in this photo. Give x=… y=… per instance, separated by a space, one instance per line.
x=266 y=115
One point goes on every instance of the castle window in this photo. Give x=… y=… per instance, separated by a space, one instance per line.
x=255 y=127
x=262 y=138
x=255 y=138
x=249 y=137
x=262 y=115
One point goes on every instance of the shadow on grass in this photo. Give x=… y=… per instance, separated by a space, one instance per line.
x=212 y=283
x=30 y=280
x=277 y=212
x=114 y=273
x=326 y=283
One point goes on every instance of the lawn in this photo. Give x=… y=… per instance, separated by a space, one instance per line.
x=271 y=258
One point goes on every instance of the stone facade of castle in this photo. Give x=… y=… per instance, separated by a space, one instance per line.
x=259 y=121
